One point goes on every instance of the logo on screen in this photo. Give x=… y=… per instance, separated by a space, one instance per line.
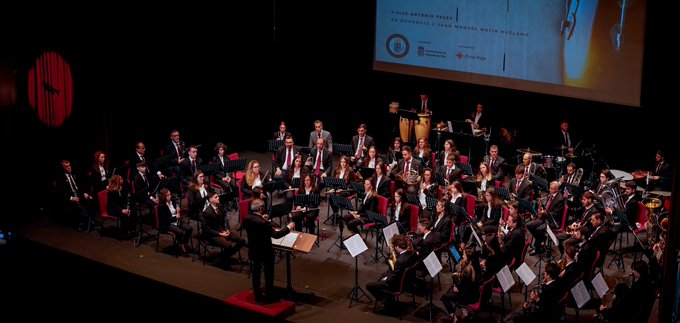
x=397 y=45
x=421 y=51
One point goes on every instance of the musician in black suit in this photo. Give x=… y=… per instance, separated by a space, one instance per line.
x=282 y=133
x=520 y=185
x=545 y=309
x=381 y=179
x=383 y=288
x=548 y=214
x=221 y=177
x=662 y=175
x=427 y=240
x=71 y=197
x=170 y=220
x=213 y=229
x=260 y=231
x=189 y=166
x=442 y=219
x=143 y=187
x=360 y=144
x=118 y=204
x=572 y=269
x=401 y=171
x=322 y=160
x=285 y=157
x=319 y=133
x=176 y=150
x=401 y=212
x=630 y=201
x=512 y=238
x=306 y=188
x=354 y=219
x=449 y=170
x=495 y=162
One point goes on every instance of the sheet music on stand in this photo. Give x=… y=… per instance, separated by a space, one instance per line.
x=390 y=231
x=551 y=234
x=355 y=245
x=433 y=264
x=600 y=285
x=377 y=218
x=334 y=183
x=286 y=241
x=525 y=274
x=342 y=202
x=358 y=188
x=466 y=167
x=580 y=294
x=505 y=278
x=311 y=200
x=274 y=144
x=503 y=193
x=343 y=149
x=431 y=203
x=539 y=183
x=210 y=168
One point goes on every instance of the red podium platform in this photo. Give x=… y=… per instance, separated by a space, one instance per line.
x=246 y=300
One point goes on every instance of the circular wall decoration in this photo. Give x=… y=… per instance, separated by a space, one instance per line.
x=50 y=89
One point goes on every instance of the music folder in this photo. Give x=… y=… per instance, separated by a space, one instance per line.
x=286 y=241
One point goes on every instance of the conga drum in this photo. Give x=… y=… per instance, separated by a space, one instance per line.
x=423 y=127
x=405 y=129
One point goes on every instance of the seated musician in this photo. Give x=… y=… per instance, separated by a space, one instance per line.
x=189 y=166
x=512 y=236
x=466 y=282
x=484 y=179
x=442 y=219
x=492 y=254
x=213 y=230
x=548 y=214
x=197 y=196
x=531 y=168
x=572 y=270
x=381 y=179
x=449 y=170
x=253 y=178
x=285 y=156
x=402 y=171
x=394 y=153
x=490 y=211
x=495 y=163
x=143 y=185
x=221 y=177
x=423 y=152
x=583 y=212
x=520 y=186
x=401 y=212
x=307 y=188
x=544 y=306
x=347 y=175
x=426 y=241
x=354 y=219
x=170 y=220
x=405 y=258
x=662 y=176
x=603 y=187
x=449 y=150
x=630 y=202
x=428 y=188
x=297 y=171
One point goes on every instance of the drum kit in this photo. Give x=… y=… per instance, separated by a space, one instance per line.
x=548 y=161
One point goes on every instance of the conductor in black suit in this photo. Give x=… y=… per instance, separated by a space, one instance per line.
x=260 y=233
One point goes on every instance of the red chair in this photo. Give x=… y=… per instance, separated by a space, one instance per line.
x=415 y=211
x=470 y=207
x=103 y=198
x=432 y=160
x=237 y=174
x=243 y=209
x=640 y=217
x=406 y=285
x=463 y=159
x=392 y=189
x=564 y=220
x=485 y=291
x=506 y=213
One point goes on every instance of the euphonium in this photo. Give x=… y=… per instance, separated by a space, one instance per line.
x=577 y=177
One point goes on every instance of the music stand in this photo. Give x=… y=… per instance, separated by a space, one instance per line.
x=413 y=199
x=540 y=183
x=431 y=203
x=366 y=172
x=274 y=144
x=335 y=184
x=235 y=165
x=466 y=167
x=439 y=176
x=295 y=183
x=526 y=206
x=356 y=246
x=359 y=189
x=304 y=200
x=281 y=209
x=380 y=221
x=503 y=193
x=210 y=168
x=163 y=162
x=343 y=203
x=342 y=149
x=303 y=150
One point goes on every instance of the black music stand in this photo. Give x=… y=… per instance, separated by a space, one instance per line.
x=343 y=203
x=431 y=203
x=466 y=167
x=163 y=162
x=335 y=184
x=273 y=146
x=303 y=150
x=295 y=183
x=526 y=206
x=380 y=222
x=366 y=172
x=439 y=177
x=305 y=200
x=210 y=168
x=503 y=193
x=281 y=209
x=235 y=165
x=360 y=190
x=342 y=149
x=413 y=199
x=540 y=183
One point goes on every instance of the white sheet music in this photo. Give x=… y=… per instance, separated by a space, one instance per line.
x=552 y=235
x=580 y=294
x=600 y=285
x=505 y=278
x=389 y=231
x=433 y=264
x=450 y=126
x=525 y=273
x=355 y=245
x=474 y=233
x=286 y=241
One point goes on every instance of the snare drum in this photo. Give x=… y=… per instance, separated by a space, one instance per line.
x=548 y=161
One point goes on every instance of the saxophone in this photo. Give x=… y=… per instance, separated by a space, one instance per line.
x=393 y=258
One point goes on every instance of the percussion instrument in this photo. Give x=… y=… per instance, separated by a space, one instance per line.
x=528 y=150
x=423 y=127
x=619 y=173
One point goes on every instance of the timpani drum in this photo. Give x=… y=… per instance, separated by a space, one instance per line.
x=549 y=161
x=423 y=127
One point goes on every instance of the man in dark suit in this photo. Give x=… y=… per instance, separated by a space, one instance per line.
x=513 y=240
x=260 y=232
x=549 y=214
x=71 y=197
x=360 y=144
x=427 y=241
x=400 y=172
x=322 y=160
x=384 y=287
x=520 y=186
x=495 y=162
x=175 y=151
x=285 y=157
x=449 y=171
x=546 y=304
x=282 y=133
x=662 y=175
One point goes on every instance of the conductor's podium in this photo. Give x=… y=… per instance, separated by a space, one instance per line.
x=246 y=300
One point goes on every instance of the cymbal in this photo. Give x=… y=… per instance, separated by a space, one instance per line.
x=528 y=150
x=661 y=193
x=619 y=173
